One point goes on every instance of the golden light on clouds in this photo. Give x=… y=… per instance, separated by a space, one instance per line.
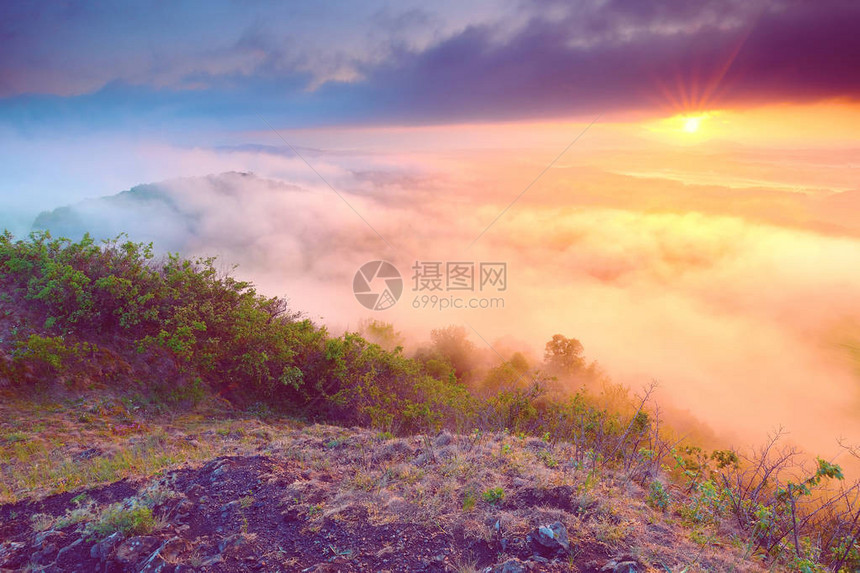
x=691 y=124
x=685 y=125
x=830 y=124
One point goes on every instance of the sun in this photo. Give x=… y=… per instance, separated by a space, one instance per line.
x=691 y=127
x=692 y=124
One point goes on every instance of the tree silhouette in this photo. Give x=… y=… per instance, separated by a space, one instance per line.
x=563 y=356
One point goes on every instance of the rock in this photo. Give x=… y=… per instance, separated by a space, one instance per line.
x=184 y=506
x=103 y=548
x=212 y=561
x=621 y=564
x=196 y=490
x=235 y=540
x=134 y=548
x=217 y=468
x=443 y=439
x=8 y=550
x=68 y=548
x=385 y=551
x=173 y=548
x=155 y=564
x=42 y=537
x=512 y=565
x=550 y=539
x=227 y=507
x=48 y=543
x=168 y=552
x=87 y=454
x=321 y=568
x=45 y=555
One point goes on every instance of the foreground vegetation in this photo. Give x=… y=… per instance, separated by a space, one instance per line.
x=163 y=338
x=476 y=496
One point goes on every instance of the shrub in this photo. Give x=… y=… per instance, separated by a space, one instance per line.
x=493 y=495
x=128 y=519
x=207 y=325
x=658 y=496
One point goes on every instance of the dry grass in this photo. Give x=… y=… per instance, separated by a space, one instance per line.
x=48 y=448
x=475 y=488
x=441 y=484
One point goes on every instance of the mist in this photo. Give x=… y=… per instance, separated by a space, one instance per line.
x=739 y=299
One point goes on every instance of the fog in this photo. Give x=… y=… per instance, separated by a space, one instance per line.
x=695 y=266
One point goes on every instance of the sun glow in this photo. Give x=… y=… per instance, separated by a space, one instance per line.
x=689 y=126
x=692 y=124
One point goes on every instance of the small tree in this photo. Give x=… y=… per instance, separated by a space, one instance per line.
x=563 y=356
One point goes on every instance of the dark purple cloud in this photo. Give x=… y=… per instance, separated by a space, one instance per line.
x=631 y=55
x=329 y=63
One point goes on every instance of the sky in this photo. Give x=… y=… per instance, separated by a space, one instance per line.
x=673 y=183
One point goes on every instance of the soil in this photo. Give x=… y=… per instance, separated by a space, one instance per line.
x=236 y=514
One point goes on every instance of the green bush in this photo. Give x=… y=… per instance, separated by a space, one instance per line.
x=658 y=496
x=493 y=495
x=115 y=313
x=134 y=520
x=207 y=324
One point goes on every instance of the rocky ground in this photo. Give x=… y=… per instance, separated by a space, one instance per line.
x=252 y=514
x=321 y=498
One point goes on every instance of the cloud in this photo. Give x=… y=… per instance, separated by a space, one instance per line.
x=622 y=56
x=374 y=65
x=740 y=320
x=726 y=268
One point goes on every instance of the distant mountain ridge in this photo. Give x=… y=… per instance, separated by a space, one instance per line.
x=165 y=212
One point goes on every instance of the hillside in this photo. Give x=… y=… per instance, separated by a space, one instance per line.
x=244 y=494
x=159 y=415
x=180 y=213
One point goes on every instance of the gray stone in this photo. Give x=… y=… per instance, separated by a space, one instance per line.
x=69 y=547
x=235 y=540
x=212 y=561
x=621 y=564
x=45 y=555
x=167 y=553
x=133 y=549
x=512 y=565
x=103 y=548
x=550 y=539
x=44 y=536
x=228 y=507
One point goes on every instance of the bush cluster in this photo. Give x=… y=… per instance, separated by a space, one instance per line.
x=183 y=323
x=114 y=314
